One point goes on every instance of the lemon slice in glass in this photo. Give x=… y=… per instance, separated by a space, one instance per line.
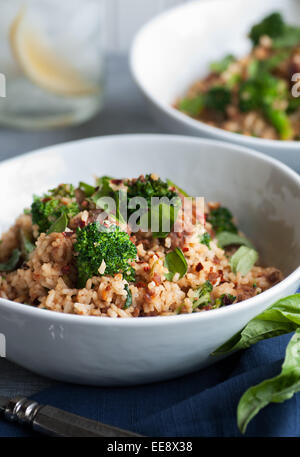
x=41 y=65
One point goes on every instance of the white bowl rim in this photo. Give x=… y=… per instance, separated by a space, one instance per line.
x=184 y=118
x=157 y=320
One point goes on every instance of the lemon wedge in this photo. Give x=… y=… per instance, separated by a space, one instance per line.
x=41 y=65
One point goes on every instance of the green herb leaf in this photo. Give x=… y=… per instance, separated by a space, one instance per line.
x=11 y=263
x=176 y=263
x=223 y=64
x=192 y=106
x=104 y=189
x=26 y=244
x=87 y=189
x=181 y=191
x=229 y=238
x=163 y=216
x=274 y=390
x=243 y=260
x=59 y=225
x=205 y=239
x=128 y=302
x=281 y=318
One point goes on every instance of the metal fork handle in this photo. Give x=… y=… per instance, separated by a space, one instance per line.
x=56 y=422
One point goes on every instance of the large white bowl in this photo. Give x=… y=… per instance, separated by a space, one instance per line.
x=176 y=48
x=264 y=195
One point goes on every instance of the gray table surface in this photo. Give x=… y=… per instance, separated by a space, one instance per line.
x=124 y=112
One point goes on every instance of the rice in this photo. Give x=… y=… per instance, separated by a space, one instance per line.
x=254 y=122
x=47 y=279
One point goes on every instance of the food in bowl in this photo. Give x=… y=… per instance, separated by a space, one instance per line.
x=71 y=253
x=253 y=95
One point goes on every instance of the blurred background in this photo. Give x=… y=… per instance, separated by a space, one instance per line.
x=125 y=17
x=67 y=73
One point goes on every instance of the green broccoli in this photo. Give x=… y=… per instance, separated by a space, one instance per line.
x=202 y=295
x=249 y=95
x=272 y=26
x=96 y=243
x=294 y=104
x=217 y=98
x=260 y=91
x=221 y=220
x=47 y=209
x=163 y=214
x=263 y=92
x=224 y=300
x=282 y=34
x=147 y=187
x=205 y=239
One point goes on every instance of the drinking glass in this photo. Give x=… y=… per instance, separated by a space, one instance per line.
x=51 y=62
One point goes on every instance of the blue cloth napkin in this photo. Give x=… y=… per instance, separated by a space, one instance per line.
x=199 y=404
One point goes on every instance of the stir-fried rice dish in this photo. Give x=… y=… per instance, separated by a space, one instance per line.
x=258 y=94
x=70 y=253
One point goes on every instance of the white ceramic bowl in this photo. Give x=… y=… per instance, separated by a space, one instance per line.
x=176 y=48
x=264 y=195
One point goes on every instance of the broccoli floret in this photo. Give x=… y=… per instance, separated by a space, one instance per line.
x=147 y=187
x=272 y=26
x=217 y=98
x=221 y=220
x=263 y=92
x=47 y=209
x=290 y=37
x=202 y=295
x=96 y=244
x=224 y=300
x=163 y=214
x=249 y=96
x=294 y=104
x=205 y=239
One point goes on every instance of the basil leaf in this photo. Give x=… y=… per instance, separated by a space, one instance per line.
x=192 y=106
x=243 y=260
x=104 y=189
x=228 y=238
x=221 y=65
x=176 y=263
x=163 y=216
x=59 y=225
x=281 y=318
x=26 y=245
x=181 y=191
x=274 y=390
x=87 y=189
x=11 y=263
x=128 y=302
